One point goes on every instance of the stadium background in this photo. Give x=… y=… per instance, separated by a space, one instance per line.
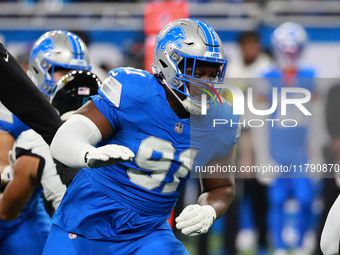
x=116 y=37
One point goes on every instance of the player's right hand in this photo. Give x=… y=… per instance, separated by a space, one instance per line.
x=108 y=155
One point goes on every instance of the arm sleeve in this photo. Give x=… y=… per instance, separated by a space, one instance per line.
x=73 y=139
x=19 y=94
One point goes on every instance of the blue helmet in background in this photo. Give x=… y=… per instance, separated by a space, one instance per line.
x=56 y=49
x=288 y=41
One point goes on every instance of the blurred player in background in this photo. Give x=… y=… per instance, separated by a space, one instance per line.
x=140 y=123
x=329 y=222
x=330 y=238
x=287 y=146
x=242 y=73
x=33 y=170
x=253 y=60
x=53 y=55
x=24 y=223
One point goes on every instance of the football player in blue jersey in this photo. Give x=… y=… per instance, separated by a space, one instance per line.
x=288 y=146
x=33 y=169
x=136 y=144
x=53 y=54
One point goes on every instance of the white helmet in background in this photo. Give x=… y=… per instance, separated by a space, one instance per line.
x=55 y=50
x=288 y=42
x=188 y=43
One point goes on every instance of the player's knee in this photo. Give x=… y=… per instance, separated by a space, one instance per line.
x=329 y=246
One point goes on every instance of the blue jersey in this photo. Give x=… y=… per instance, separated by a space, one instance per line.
x=289 y=143
x=33 y=218
x=166 y=149
x=7 y=227
x=10 y=123
x=35 y=198
x=28 y=233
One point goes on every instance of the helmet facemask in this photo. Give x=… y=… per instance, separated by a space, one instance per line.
x=50 y=68
x=185 y=78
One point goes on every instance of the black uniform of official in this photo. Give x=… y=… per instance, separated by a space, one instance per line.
x=19 y=94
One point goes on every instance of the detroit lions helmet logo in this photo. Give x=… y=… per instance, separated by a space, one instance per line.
x=175 y=36
x=45 y=46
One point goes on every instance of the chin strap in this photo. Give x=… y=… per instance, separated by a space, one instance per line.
x=192 y=106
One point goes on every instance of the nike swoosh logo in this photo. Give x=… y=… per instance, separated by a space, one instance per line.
x=7 y=57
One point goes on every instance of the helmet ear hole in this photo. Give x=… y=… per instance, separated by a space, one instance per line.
x=164 y=65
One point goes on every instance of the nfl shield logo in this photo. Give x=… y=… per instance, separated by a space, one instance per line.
x=72 y=236
x=178 y=128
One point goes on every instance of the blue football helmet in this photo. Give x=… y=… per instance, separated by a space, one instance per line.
x=56 y=49
x=288 y=42
x=188 y=43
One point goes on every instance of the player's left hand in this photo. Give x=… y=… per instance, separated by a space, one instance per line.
x=196 y=219
x=7 y=174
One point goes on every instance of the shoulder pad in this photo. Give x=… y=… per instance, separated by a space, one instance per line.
x=127 y=78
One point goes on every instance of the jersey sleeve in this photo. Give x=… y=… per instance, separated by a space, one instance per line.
x=231 y=131
x=109 y=112
x=214 y=134
x=121 y=94
x=229 y=140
